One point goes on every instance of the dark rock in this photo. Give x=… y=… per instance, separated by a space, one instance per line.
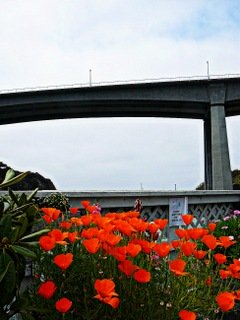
x=32 y=181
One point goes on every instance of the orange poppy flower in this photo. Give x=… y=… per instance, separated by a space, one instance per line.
x=119 y=253
x=210 y=241
x=47 y=289
x=199 y=254
x=90 y=233
x=182 y=234
x=138 y=224
x=220 y=258
x=76 y=221
x=225 y=300
x=226 y=241
x=105 y=292
x=212 y=226
x=175 y=243
x=187 y=247
x=113 y=302
x=153 y=228
x=112 y=239
x=47 y=243
x=162 y=223
x=124 y=227
x=63 y=261
x=127 y=267
x=133 y=249
x=63 y=305
x=65 y=225
x=195 y=233
x=57 y=234
x=86 y=220
x=47 y=219
x=187 y=315
x=53 y=213
x=85 y=203
x=72 y=236
x=177 y=266
x=142 y=276
x=162 y=249
x=73 y=211
x=187 y=218
x=224 y=274
x=146 y=245
x=91 y=245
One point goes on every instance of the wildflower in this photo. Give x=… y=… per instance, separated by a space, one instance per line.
x=112 y=239
x=224 y=274
x=188 y=247
x=175 y=243
x=199 y=254
x=187 y=218
x=212 y=226
x=182 y=234
x=47 y=289
x=52 y=213
x=47 y=243
x=63 y=305
x=105 y=292
x=73 y=211
x=225 y=300
x=226 y=241
x=65 y=225
x=162 y=223
x=220 y=258
x=195 y=233
x=127 y=267
x=210 y=241
x=142 y=276
x=177 y=266
x=72 y=236
x=187 y=315
x=133 y=249
x=63 y=261
x=162 y=249
x=91 y=245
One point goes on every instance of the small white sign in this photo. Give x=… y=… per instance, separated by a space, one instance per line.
x=177 y=207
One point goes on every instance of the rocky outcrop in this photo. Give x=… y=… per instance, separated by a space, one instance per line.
x=32 y=181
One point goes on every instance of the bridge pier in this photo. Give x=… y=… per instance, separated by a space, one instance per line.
x=217 y=161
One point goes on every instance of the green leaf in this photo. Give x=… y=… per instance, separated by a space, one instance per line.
x=9 y=175
x=5 y=225
x=14 y=180
x=8 y=282
x=13 y=196
x=32 y=195
x=4 y=272
x=35 y=234
x=23 y=251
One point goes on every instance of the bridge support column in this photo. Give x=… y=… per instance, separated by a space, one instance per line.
x=207 y=154
x=217 y=161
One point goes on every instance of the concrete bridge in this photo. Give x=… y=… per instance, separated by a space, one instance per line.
x=208 y=99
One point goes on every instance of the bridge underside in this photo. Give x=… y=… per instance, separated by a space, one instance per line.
x=209 y=100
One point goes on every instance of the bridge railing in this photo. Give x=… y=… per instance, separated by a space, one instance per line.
x=120 y=82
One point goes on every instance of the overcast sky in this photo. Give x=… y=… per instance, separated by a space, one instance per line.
x=54 y=42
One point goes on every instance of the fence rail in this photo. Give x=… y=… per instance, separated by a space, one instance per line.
x=204 y=205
